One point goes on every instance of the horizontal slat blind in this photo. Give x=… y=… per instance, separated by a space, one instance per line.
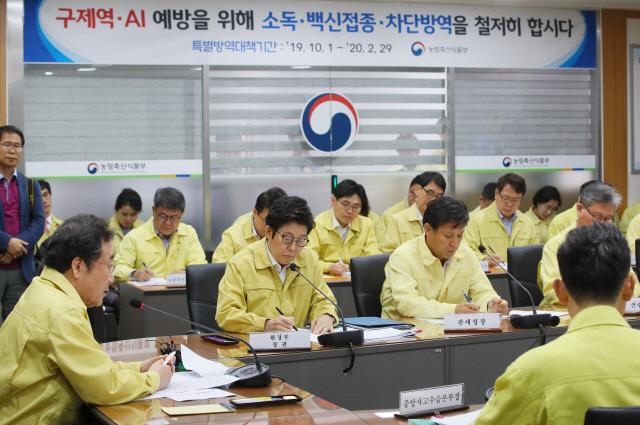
x=115 y=112
x=520 y=112
x=255 y=119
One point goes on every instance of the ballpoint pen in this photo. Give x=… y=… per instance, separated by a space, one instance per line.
x=466 y=296
x=296 y=329
x=146 y=267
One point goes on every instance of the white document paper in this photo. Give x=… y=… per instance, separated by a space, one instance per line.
x=436 y=321
x=530 y=313
x=464 y=419
x=205 y=394
x=185 y=387
x=155 y=281
x=204 y=367
x=384 y=334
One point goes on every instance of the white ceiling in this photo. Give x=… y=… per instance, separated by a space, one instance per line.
x=567 y=4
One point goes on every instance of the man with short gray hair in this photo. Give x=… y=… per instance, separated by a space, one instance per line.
x=163 y=245
x=598 y=203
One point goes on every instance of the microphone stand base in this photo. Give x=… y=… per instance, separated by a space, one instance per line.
x=341 y=338
x=250 y=376
x=534 y=321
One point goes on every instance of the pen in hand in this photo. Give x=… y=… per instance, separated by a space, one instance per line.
x=466 y=296
x=296 y=329
x=144 y=264
x=169 y=357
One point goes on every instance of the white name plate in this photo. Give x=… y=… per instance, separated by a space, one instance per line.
x=484 y=265
x=430 y=399
x=275 y=341
x=176 y=279
x=472 y=321
x=633 y=306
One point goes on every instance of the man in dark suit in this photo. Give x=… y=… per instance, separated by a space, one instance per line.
x=21 y=221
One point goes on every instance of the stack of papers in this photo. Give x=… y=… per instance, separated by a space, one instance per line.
x=378 y=335
x=464 y=419
x=151 y=282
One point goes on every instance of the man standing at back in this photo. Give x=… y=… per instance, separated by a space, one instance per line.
x=21 y=221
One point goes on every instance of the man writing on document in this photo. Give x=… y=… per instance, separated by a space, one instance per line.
x=163 y=245
x=51 y=363
x=431 y=275
x=258 y=283
x=598 y=203
x=595 y=363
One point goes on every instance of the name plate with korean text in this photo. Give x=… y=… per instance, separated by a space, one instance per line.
x=431 y=399
x=633 y=306
x=277 y=341
x=485 y=266
x=176 y=279
x=481 y=321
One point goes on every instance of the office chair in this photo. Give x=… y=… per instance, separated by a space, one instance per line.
x=202 y=293
x=523 y=265
x=367 y=277
x=637 y=254
x=208 y=255
x=613 y=416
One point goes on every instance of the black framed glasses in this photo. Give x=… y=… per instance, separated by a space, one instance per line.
x=348 y=207
x=599 y=218
x=508 y=200
x=432 y=193
x=288 y=240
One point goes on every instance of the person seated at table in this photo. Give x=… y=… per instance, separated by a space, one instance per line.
x=407 y=224
x=428 y=277
x=51 y=223
x=402 y=205
x=341 y=232
x=595 y=363
x=128 y=207
x=249 y=230
x=545 y=203
x=633 y=233
x=568 y=217
x=501 y=226
x=487 y=197
x=378 y=228
x=258 y=279
x=243 y=217
x=629 y=214
x=161 y=246
x=51 y=364
x=598 y=202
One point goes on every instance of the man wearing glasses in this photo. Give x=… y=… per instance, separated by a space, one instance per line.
x=501 y=225
x=248 y=230
x=258 y=282
x=341 y=232
x=407 y=224
x=51 y=364
x=598 y=203
x=22 y=224
x=163 y=245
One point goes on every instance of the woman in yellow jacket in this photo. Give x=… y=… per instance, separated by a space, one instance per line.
x=128 y=207
x=545 y=204
x=341 y=232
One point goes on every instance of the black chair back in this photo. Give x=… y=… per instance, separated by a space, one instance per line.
x=202 y=292
x=367 y=277
x=523 y=265
x=637 y=252
x=613 y=416
x=208 y=255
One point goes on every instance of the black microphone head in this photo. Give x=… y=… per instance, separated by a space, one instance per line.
x=482 y=248
x=293 y=267
x=136 y=303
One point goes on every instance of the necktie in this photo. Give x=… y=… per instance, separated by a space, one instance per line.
x=46 y=226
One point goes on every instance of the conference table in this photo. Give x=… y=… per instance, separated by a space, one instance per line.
x=137 y=323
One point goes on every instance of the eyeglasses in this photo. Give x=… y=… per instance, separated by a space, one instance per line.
x=46 y=195
x=599 y=218
x=174 y=218
x=508 y=200
x=263 y=219
x=550 y=209
x=432 y=193
x=8 y=146
x=348 y=207
x=288 y=240
x=111 y=266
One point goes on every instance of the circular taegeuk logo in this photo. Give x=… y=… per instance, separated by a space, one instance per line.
x=329 y=122
x=506 y=162
x=417 y=48
x=92 y=168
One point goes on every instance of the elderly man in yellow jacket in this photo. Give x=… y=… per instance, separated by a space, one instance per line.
x=501 y=225
x=163 y=245
x=51 y=364
x=428 y=277
x=598 y=202
x=402 y=205
x=595 y=363
x=51 y=223
x=258 y=280
x=407 y=224
x=341 y=232
x=249 y=230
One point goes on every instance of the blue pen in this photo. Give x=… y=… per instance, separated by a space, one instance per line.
x=465 y=295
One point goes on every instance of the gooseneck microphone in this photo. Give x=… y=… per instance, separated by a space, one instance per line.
x=250 y=376
x=526 y=322
x=334 y=339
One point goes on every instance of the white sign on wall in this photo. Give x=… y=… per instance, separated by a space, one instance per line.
x=246 y=32
x=115 y=169
x=525 y=163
